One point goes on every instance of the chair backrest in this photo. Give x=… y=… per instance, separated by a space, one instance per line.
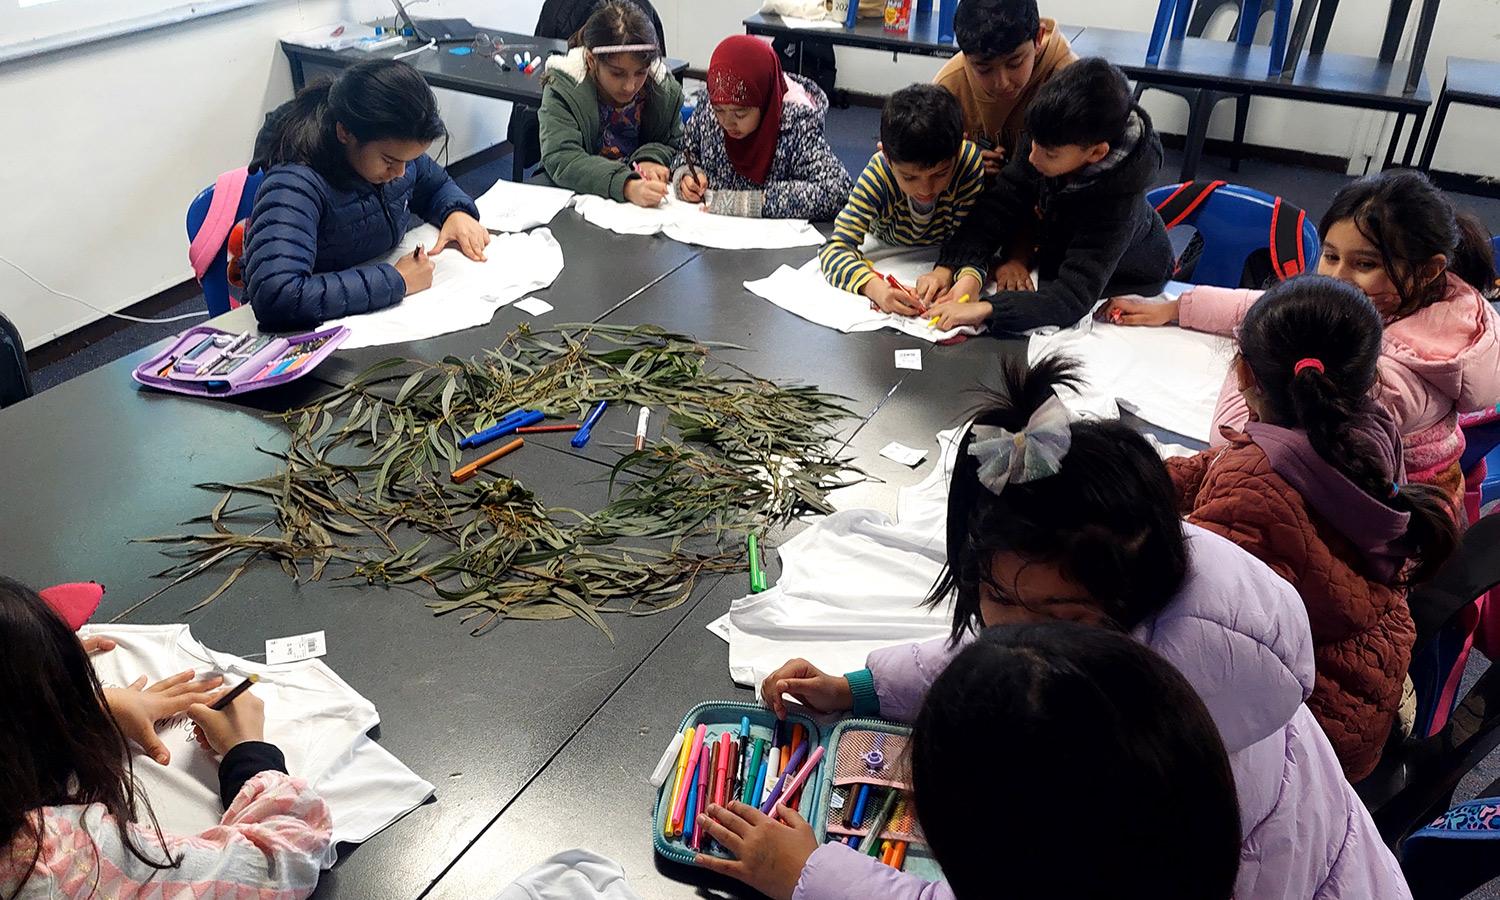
x=15 y=377
x=215 y=280
x=1235 y=221
x=1415 y=779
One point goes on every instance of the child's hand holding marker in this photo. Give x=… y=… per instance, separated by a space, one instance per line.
x=951 y=314
x=647 y=191
x=888 y=295
x=416 y=270
x=1133 y=309
x=932 y=285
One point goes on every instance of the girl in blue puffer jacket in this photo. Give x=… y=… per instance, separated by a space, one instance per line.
x=346 y=164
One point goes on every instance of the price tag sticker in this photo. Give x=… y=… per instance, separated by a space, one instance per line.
x=296 y=648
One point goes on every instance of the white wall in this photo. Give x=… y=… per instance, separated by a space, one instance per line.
x=1468 y=28
x=105 y=145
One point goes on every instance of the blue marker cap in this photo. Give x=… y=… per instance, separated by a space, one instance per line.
x=582 y=437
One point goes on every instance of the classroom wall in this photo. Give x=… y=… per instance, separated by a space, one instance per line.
x=1468 y=28
x=106 y=144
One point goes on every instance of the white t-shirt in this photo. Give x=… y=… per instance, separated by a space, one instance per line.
x=312 y=714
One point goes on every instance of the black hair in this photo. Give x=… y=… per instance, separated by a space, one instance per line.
x=1060 y=760
x=1322 y=318
x=1410 y=221
x=1086 y=103
x=990 y=29
x=618 y=24
x=379 y=99
x=60 y=744
x=1108 y=517
x=922 y=125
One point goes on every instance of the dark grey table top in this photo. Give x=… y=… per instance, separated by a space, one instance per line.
x=538 y=735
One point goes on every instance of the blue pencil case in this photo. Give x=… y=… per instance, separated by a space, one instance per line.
x=859 y=755
x=207 y=361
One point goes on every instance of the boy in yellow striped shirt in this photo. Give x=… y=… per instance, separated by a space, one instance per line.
x=916 y=190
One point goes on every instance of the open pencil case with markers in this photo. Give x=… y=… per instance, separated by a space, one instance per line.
x=859 y=756
x=208 y=361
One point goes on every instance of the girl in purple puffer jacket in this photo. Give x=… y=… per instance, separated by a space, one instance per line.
x=1050 y=519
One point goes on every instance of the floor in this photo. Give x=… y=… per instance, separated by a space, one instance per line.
x=853 y=133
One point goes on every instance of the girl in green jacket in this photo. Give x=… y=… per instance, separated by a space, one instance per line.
x=611 y=113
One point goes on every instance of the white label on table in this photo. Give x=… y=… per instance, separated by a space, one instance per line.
x=296 y=648
x=906 y=456
x=720 y=627
x=534 y=306
x=909 y=359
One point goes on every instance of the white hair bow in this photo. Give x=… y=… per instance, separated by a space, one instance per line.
x=1036 y=452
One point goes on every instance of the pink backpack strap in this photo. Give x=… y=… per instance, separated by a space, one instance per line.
x=222 y=211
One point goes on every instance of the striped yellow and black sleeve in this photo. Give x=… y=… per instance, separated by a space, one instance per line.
x=968 y=184
x=843 y=265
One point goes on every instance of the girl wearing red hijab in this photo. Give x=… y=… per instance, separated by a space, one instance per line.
x=755 y=141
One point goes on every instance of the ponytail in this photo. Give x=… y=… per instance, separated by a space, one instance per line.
x=380 y=99
x=1474 y=258
x=1313 y=344
x=1108 y=517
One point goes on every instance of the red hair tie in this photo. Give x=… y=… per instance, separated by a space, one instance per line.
x=1308 y=363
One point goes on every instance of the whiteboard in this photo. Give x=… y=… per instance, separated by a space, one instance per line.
x=34 y=27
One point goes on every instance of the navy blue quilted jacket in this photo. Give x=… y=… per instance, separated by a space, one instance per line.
x=308 y=241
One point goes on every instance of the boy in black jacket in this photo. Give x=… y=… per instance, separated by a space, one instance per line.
x=1078 y=185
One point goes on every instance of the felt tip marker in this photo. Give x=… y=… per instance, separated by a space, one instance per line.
x=581 y=439
x=801 y=777
x=463 y=474
x=640 y=428
x=679 y=810
x=705 y=760
x=223 y=702
x=672 y=754
x=779 y=790
x=685 y=750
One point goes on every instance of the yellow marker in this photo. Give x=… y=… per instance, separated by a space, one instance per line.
x=933 y=323
x=682 y=759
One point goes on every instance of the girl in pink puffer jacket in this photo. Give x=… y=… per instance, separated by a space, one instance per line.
x=1425 y=266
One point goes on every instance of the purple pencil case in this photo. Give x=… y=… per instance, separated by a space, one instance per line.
x=215 y=363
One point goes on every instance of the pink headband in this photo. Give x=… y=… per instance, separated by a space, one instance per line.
x=624 y=48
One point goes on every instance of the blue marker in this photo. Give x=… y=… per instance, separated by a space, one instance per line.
x=514 y=418
x=859 y=806
x=582 y=437
x=760 y=781
x=692 y=806
x=505 y=427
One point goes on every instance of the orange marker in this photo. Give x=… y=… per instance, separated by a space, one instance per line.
x=898 y=855
x=465 y=473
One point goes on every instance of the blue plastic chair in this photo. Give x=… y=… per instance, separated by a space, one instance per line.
x=1172 y=17
x=216 y=280
x=1234 y=221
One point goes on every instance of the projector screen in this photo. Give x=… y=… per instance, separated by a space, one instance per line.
x=34 y=27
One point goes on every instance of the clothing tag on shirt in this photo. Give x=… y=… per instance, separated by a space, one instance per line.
x=836 y=801
x=909 y=359
x=534 y=306
x=296 y=648
x=720 y=627
x=906 y=456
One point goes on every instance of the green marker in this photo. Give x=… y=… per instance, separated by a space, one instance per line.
x=871 y=846
x=751 y=771
x=757 y=577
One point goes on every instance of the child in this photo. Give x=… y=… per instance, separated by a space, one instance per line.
x=1055 y=520
x=346 y=164
x=1007 y=51
x=915 y=191
x=756 y=139
x=72 y=822
x=1310 y=487
x=1026 y=727
x=611 y=113
x=1424 y=266
x=1080 y=189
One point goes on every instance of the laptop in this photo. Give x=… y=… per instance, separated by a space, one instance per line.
x=440 y=30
